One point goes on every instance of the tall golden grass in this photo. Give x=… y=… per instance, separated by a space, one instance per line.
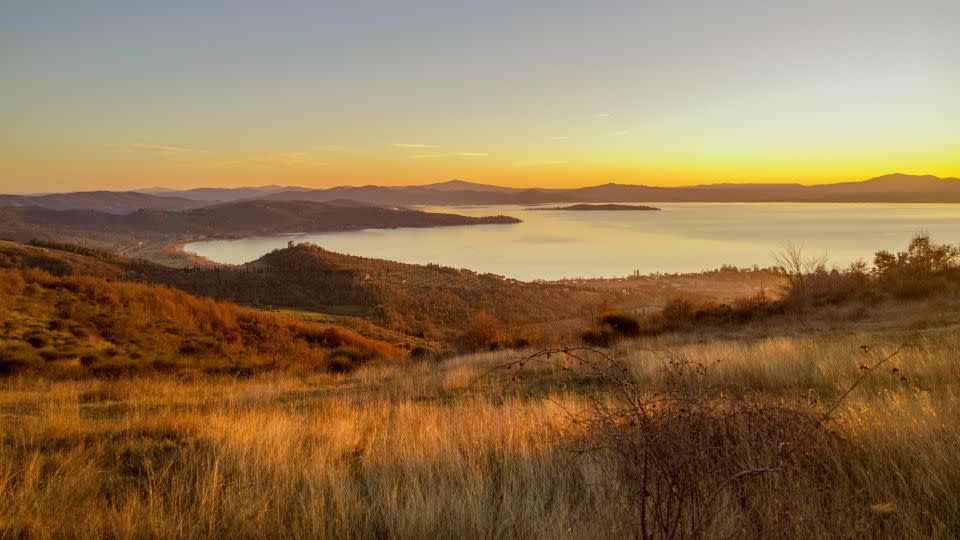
x=457 y=450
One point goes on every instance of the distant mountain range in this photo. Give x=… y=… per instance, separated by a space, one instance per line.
x=114 y=202
x=221 y=194
x=892 y=188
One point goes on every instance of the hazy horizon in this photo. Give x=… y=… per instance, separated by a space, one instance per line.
x=162 y=187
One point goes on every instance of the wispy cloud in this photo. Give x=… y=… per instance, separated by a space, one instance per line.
x=448 y=154
x=603 y=115
x=562 y=138
x=162 y=149
x=409 y=145
x=539 y=162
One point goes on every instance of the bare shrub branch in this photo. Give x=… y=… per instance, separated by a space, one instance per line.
x=684 y=446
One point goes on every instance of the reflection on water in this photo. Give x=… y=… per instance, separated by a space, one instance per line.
x=684 y=237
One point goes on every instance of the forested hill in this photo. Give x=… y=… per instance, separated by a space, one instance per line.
x=230 y=220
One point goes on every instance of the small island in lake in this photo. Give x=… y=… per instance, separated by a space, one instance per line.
x=604 y=207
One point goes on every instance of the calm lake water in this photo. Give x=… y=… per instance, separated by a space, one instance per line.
x=683 y=237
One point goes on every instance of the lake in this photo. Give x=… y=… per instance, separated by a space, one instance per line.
x=683 y=237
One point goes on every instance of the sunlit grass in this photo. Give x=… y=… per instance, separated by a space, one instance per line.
x=453 y=450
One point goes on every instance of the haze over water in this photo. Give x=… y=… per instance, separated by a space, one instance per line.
x=683 y=237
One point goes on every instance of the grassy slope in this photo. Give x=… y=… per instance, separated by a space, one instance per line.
x=444 y=450
x=76 y=325
x=310 y=277
x=461 y=449
x=426 y=301
x=423 y=304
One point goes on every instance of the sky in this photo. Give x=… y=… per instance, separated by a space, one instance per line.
x=131 y=94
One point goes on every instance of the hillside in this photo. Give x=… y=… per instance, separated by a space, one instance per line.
x=389 y=300
x=221 y=195
x=895 y=183
x=156 y=234
x=233 y=219
x=462 y=185
x=430 y=301
x=114 y=202
x=76 y=324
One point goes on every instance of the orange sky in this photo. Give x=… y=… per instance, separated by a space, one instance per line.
x=505 y=93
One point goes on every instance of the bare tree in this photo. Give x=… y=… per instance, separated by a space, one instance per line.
x=797 y=266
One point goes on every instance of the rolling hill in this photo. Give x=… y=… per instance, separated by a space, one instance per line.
x=232 y=219
x=217 y=195
x=156 y=234
x=71 y=314
x=430 y=302
x=114 y=202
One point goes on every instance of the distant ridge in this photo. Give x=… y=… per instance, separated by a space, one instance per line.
x=896 y=183
x=893 y=188
x=462 y=185
x=114 y=202
x=890 y=188
x=222 y=194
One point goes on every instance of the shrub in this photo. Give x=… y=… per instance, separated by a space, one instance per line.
x=922 y=257
x=116 y=368
x=924 y=268
x=38 y=341
x=17 y=358
x=418 y=352
x=346 y=359
x=677 y=312
x=88 y=359
x=483 y=332
x=33 y=290
x=599 y=336
x=622 y=324
x=196 y=346
x=164 y=363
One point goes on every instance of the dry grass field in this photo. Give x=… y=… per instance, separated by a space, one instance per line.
x=833 y=411
x=453 y=449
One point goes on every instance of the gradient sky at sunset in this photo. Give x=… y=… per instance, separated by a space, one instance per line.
x=115 y=95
